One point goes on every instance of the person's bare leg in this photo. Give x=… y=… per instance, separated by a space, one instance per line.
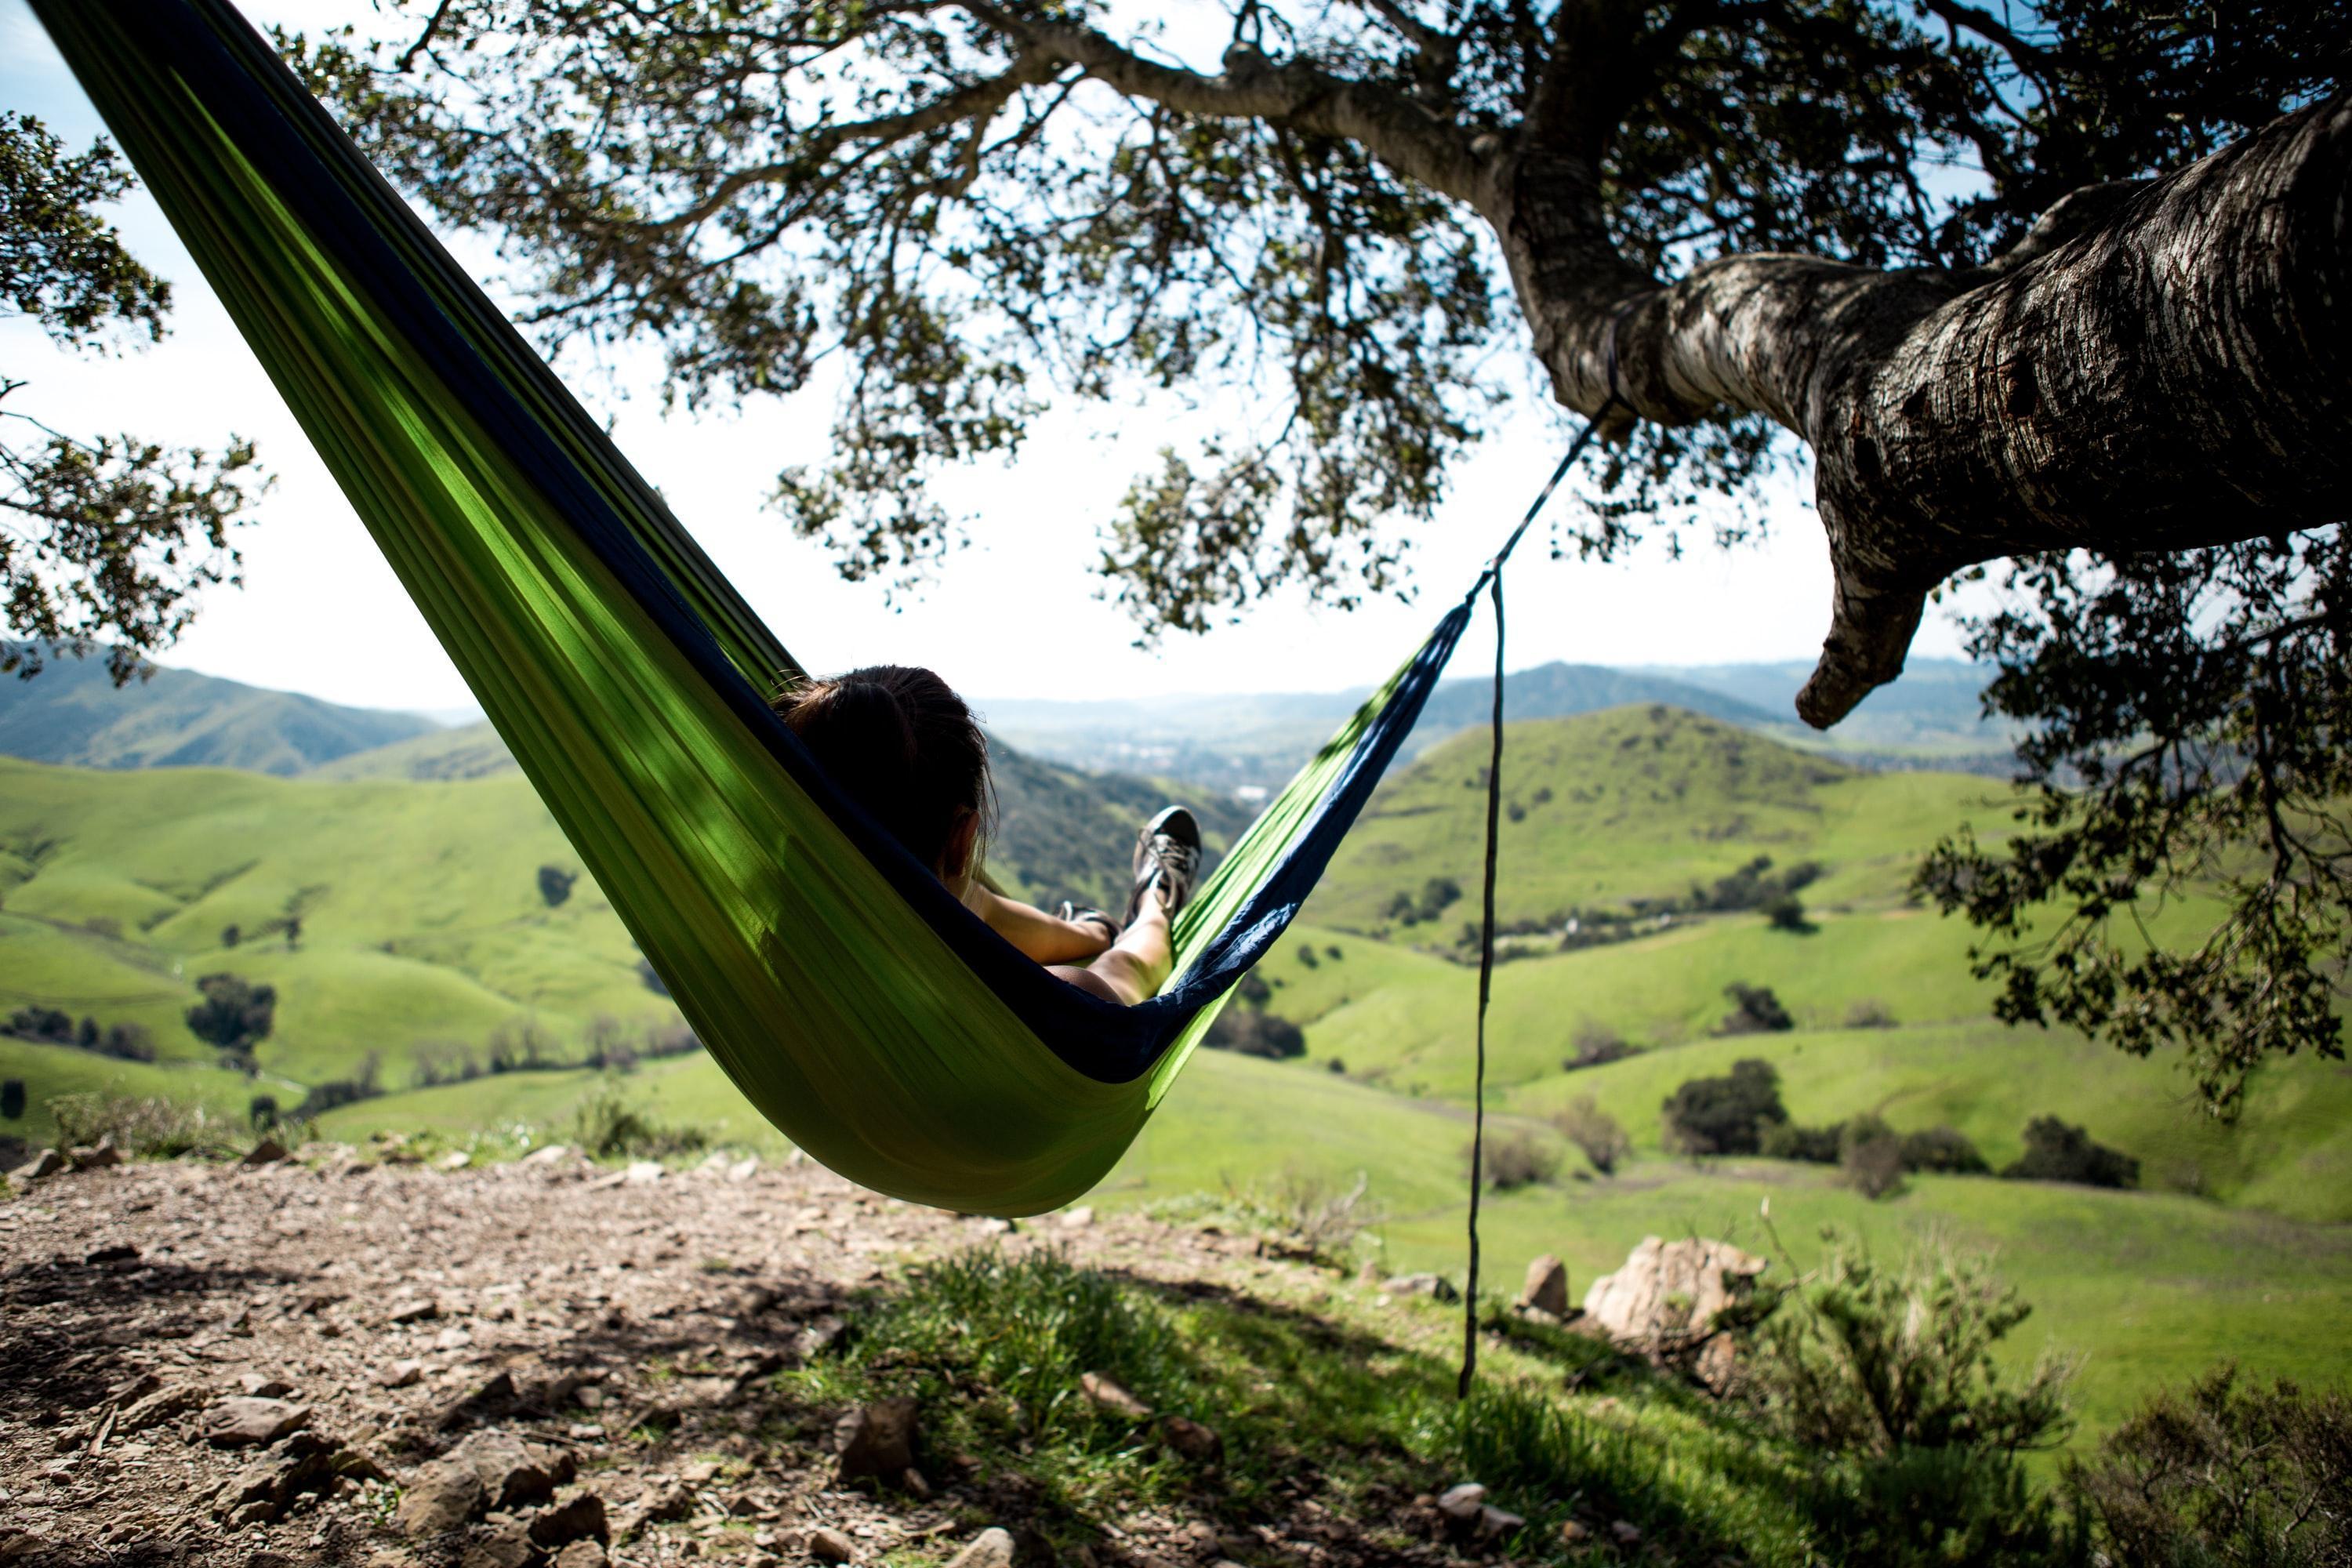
x=1137 y=965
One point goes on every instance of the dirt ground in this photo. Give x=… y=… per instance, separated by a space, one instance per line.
x=299 y=1363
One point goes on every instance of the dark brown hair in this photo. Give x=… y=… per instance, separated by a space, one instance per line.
x=904 y=746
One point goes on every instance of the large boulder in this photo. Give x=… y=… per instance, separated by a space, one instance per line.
x=1668 y=1300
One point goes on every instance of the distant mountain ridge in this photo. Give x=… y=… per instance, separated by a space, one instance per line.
x=1256 y=740
x=73 y=713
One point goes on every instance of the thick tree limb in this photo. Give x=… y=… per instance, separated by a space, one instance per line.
x=2169 y=376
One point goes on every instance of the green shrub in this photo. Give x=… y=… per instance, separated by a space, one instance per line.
x=555 y=884
x=1256 y=1034
x=235 y=1015
x=1943 y=1151
x=261 y=1112
x=1786 y=911
x=2057 y=1153
x=1596 y=1046
x=609 y=1127
x=1813 y=1146
x=334 y=1093
x=163 y=1129
x=2222 y=1474
x=1870 y=1157
x=1754 y=1011
x=1514 y=1158
x=1725 y=1115
x=1886 y=1382
x=1596 y=1134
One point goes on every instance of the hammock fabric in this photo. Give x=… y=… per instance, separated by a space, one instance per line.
x=855 y=1002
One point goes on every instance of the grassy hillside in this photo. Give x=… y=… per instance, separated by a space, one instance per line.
x=1060 y=832
x=73 y=712
x=1635 y=802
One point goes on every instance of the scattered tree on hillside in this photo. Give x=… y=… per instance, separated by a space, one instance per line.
x=555 y=884
x=2055 y=1151
x=261 y=1112
x=1596 y=1046
x=1870 y=1157
x=1942 y=1151
x=363 y=1082
x=1754 y=1011
x=1514 y=1158
x=104 y=540
x=12 y=1099
x=1725 y=1115
x=1969 y=259
x=1254 y=1033
x=1596 y=1134
x=233 y=1017
x=1786 y=911
x=231 y=935
x=1870 y=1012
x=521 y=1044
x=38 y=1023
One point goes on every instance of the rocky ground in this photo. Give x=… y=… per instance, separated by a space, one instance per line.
x=339 y=1359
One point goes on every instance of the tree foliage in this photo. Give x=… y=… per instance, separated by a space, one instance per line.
x=234 y=1015
x=1726 y=1115
x=103 y=539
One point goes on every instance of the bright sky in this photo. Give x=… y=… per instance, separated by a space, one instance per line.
x=1016 y=614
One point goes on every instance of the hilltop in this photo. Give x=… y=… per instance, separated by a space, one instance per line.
x=72 y=713
x=1633 y=806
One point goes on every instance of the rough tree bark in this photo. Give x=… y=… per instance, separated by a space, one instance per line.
x=2158 y=366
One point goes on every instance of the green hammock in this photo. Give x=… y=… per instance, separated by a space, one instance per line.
x=853 y=1001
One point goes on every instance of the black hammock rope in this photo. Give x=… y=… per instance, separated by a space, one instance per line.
x=1491 y=579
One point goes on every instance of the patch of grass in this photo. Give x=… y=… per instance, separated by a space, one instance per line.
x=993 y=1347
x=150 y=1127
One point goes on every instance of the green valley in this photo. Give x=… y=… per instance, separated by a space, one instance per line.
x=394 y=900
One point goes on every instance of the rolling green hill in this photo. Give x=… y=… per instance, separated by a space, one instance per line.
x=1635 y=804
x=73 y=712
x=1061 y=833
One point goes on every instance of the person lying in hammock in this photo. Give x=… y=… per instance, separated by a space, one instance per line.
x=902 y=745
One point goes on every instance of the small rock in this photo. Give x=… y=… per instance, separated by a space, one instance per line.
x=1574 y=1533
x=495 y=1398
x=501 y=1543
x=120 y=1252
x=268 y=1152
x=1627 y=1532
x=827 y=1545
x=441 y=1497
x=1464 y=1504
x=1111 y=1396
x=1436 y=1287
x=455 y=1160
x=403 y=1374
x=245 y=1421
x=581 y=1518
x=988 y=1548
x=1494 y=1522
x=743 y=1170
x=48 y=1163
x=154 y=1409
x=547 y=1154
x=581 y=1555
x=1547 y=1286
x=412 y=1311
x=1077 y=1218
x=1199 y=1444
x=879 y=1440
x=643 y=1172
x=95 y=1156
x=259 y=1386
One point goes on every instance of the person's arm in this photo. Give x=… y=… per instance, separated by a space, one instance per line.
x=1041 y=936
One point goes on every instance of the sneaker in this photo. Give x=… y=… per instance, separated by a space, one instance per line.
x=1167 y=857
x=1079 y=914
